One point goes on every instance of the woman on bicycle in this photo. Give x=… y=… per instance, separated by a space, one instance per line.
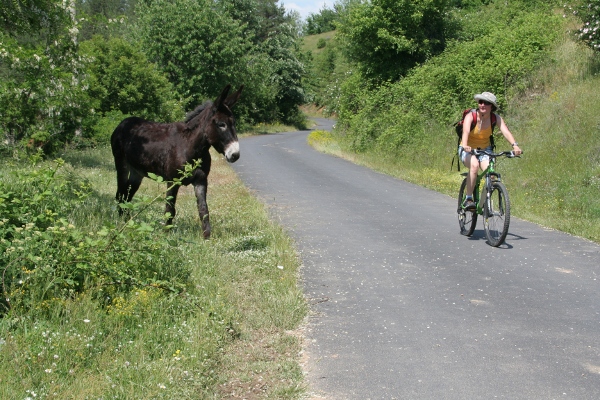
x=480 y=138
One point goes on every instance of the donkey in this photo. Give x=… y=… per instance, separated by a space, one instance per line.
x=141 y=147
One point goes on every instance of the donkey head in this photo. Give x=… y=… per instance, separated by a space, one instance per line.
x=222 y=135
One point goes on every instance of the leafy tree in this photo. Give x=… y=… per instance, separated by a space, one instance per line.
x=275 y=36
x=104 y=17
x=122 y=79
x=385 y=38
x=202 y=48
x=324 y=21
x=199 y=47
x=23 y=16
x=282 y=50
x=42 y=91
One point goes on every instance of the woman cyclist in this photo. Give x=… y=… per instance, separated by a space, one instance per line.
x=479 y=138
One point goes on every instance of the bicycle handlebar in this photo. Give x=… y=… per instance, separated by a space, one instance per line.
x=508 y=154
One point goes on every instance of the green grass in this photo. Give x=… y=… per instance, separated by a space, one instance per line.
x=557 y=181
x=309 y=43
x=229 y=334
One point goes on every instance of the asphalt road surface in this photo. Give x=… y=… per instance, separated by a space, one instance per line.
x=404 y=307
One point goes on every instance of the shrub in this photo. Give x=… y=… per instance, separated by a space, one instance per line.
x=589 y=13
x=123 y=80
x=47 y=258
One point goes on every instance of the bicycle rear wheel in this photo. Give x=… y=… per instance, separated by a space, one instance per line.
x=467 y=219
x=496 y=215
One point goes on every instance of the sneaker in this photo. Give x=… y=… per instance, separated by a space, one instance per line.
x=469 y=204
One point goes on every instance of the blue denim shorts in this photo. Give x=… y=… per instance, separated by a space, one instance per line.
x=463 y=154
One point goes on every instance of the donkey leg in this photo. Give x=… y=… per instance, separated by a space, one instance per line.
x=200 y=189
x=171 y=199
x=127 y=184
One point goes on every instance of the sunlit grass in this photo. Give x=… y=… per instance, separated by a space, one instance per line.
x=229 y=336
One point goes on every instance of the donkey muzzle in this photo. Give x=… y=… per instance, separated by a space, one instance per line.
x=232 y=152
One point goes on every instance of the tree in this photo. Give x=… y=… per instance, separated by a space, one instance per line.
x=122 y=79
x=42 y=91
x=27 y=16
x=104 y=17
x=203 y=47
x=199 y=47
x=385 y=38
x=324 y=21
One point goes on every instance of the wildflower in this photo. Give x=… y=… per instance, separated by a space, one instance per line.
x=86 y=321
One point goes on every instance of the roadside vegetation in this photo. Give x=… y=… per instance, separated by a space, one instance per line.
x=532 y=57
x=95 y=305
x=98 y=306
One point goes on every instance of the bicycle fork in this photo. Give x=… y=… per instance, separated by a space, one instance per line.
x=486 y=192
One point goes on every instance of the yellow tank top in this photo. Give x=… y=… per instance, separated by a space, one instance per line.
x=480 y=139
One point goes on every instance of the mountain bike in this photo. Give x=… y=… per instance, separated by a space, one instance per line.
x=491 y=200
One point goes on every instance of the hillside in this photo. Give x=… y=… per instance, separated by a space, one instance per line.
x=404 y=129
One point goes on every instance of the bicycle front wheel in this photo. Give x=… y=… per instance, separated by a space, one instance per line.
x=496 y=214
x=466 y=219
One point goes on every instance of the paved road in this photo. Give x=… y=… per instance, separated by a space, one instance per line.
x=404 y=307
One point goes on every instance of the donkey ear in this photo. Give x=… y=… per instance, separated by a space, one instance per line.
x=233 y=98
x=222 y=97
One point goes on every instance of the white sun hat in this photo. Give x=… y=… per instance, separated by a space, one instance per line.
x=487 y=96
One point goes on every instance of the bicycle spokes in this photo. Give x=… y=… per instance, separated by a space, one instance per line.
x=497 y=214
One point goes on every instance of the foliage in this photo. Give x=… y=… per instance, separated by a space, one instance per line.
x=47 y=258
x=43 y=101
x=324 y=21
x=507 y=49
x=24 y=16
x=196 y=45
x=589 y=13
x=273 y=79
x=328 y=70
x=108 y=18
x=202 y=49
x=385 y=38
x=122 y=79
x=288 y=72
x=225 y=332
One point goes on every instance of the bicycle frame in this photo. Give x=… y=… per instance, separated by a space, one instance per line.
x=487 y=176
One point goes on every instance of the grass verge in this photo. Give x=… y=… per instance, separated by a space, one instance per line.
x=229 y=333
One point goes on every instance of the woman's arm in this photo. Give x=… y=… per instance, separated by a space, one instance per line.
x=466 y=130
x=508 y=135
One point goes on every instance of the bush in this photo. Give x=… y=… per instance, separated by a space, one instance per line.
x=43 y=101
x=123 y=80
x=589 y=13
x=48 y=259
